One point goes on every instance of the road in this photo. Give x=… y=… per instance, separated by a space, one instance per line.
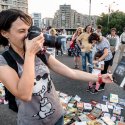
x=71 y=87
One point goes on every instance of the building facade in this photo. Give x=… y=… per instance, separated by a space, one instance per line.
x=46 y=22
x=37 y=19
x=66 y=17
x=14 y=4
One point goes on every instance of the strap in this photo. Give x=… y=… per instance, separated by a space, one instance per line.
x=10 y=61
x=43 y=58
x=17 y=57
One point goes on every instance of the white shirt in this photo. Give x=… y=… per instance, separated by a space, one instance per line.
x=117 y=40
x=97 y=71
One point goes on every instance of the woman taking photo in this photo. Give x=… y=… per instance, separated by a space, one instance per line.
x=37 y=99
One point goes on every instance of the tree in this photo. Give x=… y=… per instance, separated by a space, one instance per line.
x=116 y=19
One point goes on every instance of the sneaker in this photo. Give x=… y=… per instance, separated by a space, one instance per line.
x=88 y=89
x=101 y=88
x=64 y=52
x=75 y=67
x=57 y=55
x=93 y=91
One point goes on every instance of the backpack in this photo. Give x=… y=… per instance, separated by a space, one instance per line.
x=112 y=41
x=10 y=58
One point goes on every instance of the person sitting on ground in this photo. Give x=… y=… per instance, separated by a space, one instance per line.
x=37 y=99
x=97 y=68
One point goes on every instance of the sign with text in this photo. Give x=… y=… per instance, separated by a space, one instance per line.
x=119 y=73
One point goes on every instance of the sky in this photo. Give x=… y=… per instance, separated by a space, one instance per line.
x=47 y=8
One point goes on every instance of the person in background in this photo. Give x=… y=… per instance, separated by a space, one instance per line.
x=97 y=68
x=59 y=48
x=86 y=48
x=76 y=48
x=52 y=32
x=122 y=45
x=63 y=40
x=99 y=30
x=38 y=102
x=113 y=39
x=102 y=44
x=48 y=29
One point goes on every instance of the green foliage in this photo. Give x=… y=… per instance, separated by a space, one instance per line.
x=116 y=19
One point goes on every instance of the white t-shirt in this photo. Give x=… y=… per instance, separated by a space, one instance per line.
x=97 y=71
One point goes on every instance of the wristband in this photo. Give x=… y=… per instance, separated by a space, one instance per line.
x=100 y=78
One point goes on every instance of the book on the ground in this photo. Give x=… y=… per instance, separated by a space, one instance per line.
x=107 y=120
x=114 y=98
x=95 y=113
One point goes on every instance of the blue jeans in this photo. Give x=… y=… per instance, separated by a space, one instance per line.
x=87 y=55
x=63 y=46
x=60 y=121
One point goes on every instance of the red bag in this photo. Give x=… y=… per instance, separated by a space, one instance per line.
x=72 y=45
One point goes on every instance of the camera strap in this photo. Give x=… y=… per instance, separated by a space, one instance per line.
x=20 y=60
x=16 y=56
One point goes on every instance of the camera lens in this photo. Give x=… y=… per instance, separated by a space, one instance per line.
x=50 y=41
x=33 y=32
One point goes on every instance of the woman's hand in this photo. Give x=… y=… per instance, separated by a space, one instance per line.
x=95 y=62
x=107 y=78
x=35 y=45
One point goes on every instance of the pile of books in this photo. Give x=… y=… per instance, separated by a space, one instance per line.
x=2 y=94
x=78 y=112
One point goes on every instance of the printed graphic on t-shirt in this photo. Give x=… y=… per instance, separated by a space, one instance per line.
x=42 y=85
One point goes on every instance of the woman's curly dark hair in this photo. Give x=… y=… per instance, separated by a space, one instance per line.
x=93 y=36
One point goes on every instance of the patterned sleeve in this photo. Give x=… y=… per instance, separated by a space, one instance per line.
x=106 y=44
x=2 y=61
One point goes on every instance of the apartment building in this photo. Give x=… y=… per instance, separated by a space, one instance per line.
x=66 y=17
x=37 y=19
x=46 y=22
x=15 y=4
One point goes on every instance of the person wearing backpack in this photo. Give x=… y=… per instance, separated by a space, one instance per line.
x=113 y=39
x=31 y=83
x=122 y=44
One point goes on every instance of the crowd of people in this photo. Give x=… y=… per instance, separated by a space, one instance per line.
x=83 y=50
x=91 y=42
x=86 y=43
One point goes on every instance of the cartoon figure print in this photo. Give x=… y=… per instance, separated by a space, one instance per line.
x=42 y=85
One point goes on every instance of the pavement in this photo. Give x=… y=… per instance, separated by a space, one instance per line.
x=71 y=87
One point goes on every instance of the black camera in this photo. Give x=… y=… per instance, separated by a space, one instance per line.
x=50 y=41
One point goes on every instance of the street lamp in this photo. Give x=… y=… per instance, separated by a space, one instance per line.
x=109 y=10
x=90 y=11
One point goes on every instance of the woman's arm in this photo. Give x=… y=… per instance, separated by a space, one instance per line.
x=105 y=54
x=64 y=70
x=22 y=87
